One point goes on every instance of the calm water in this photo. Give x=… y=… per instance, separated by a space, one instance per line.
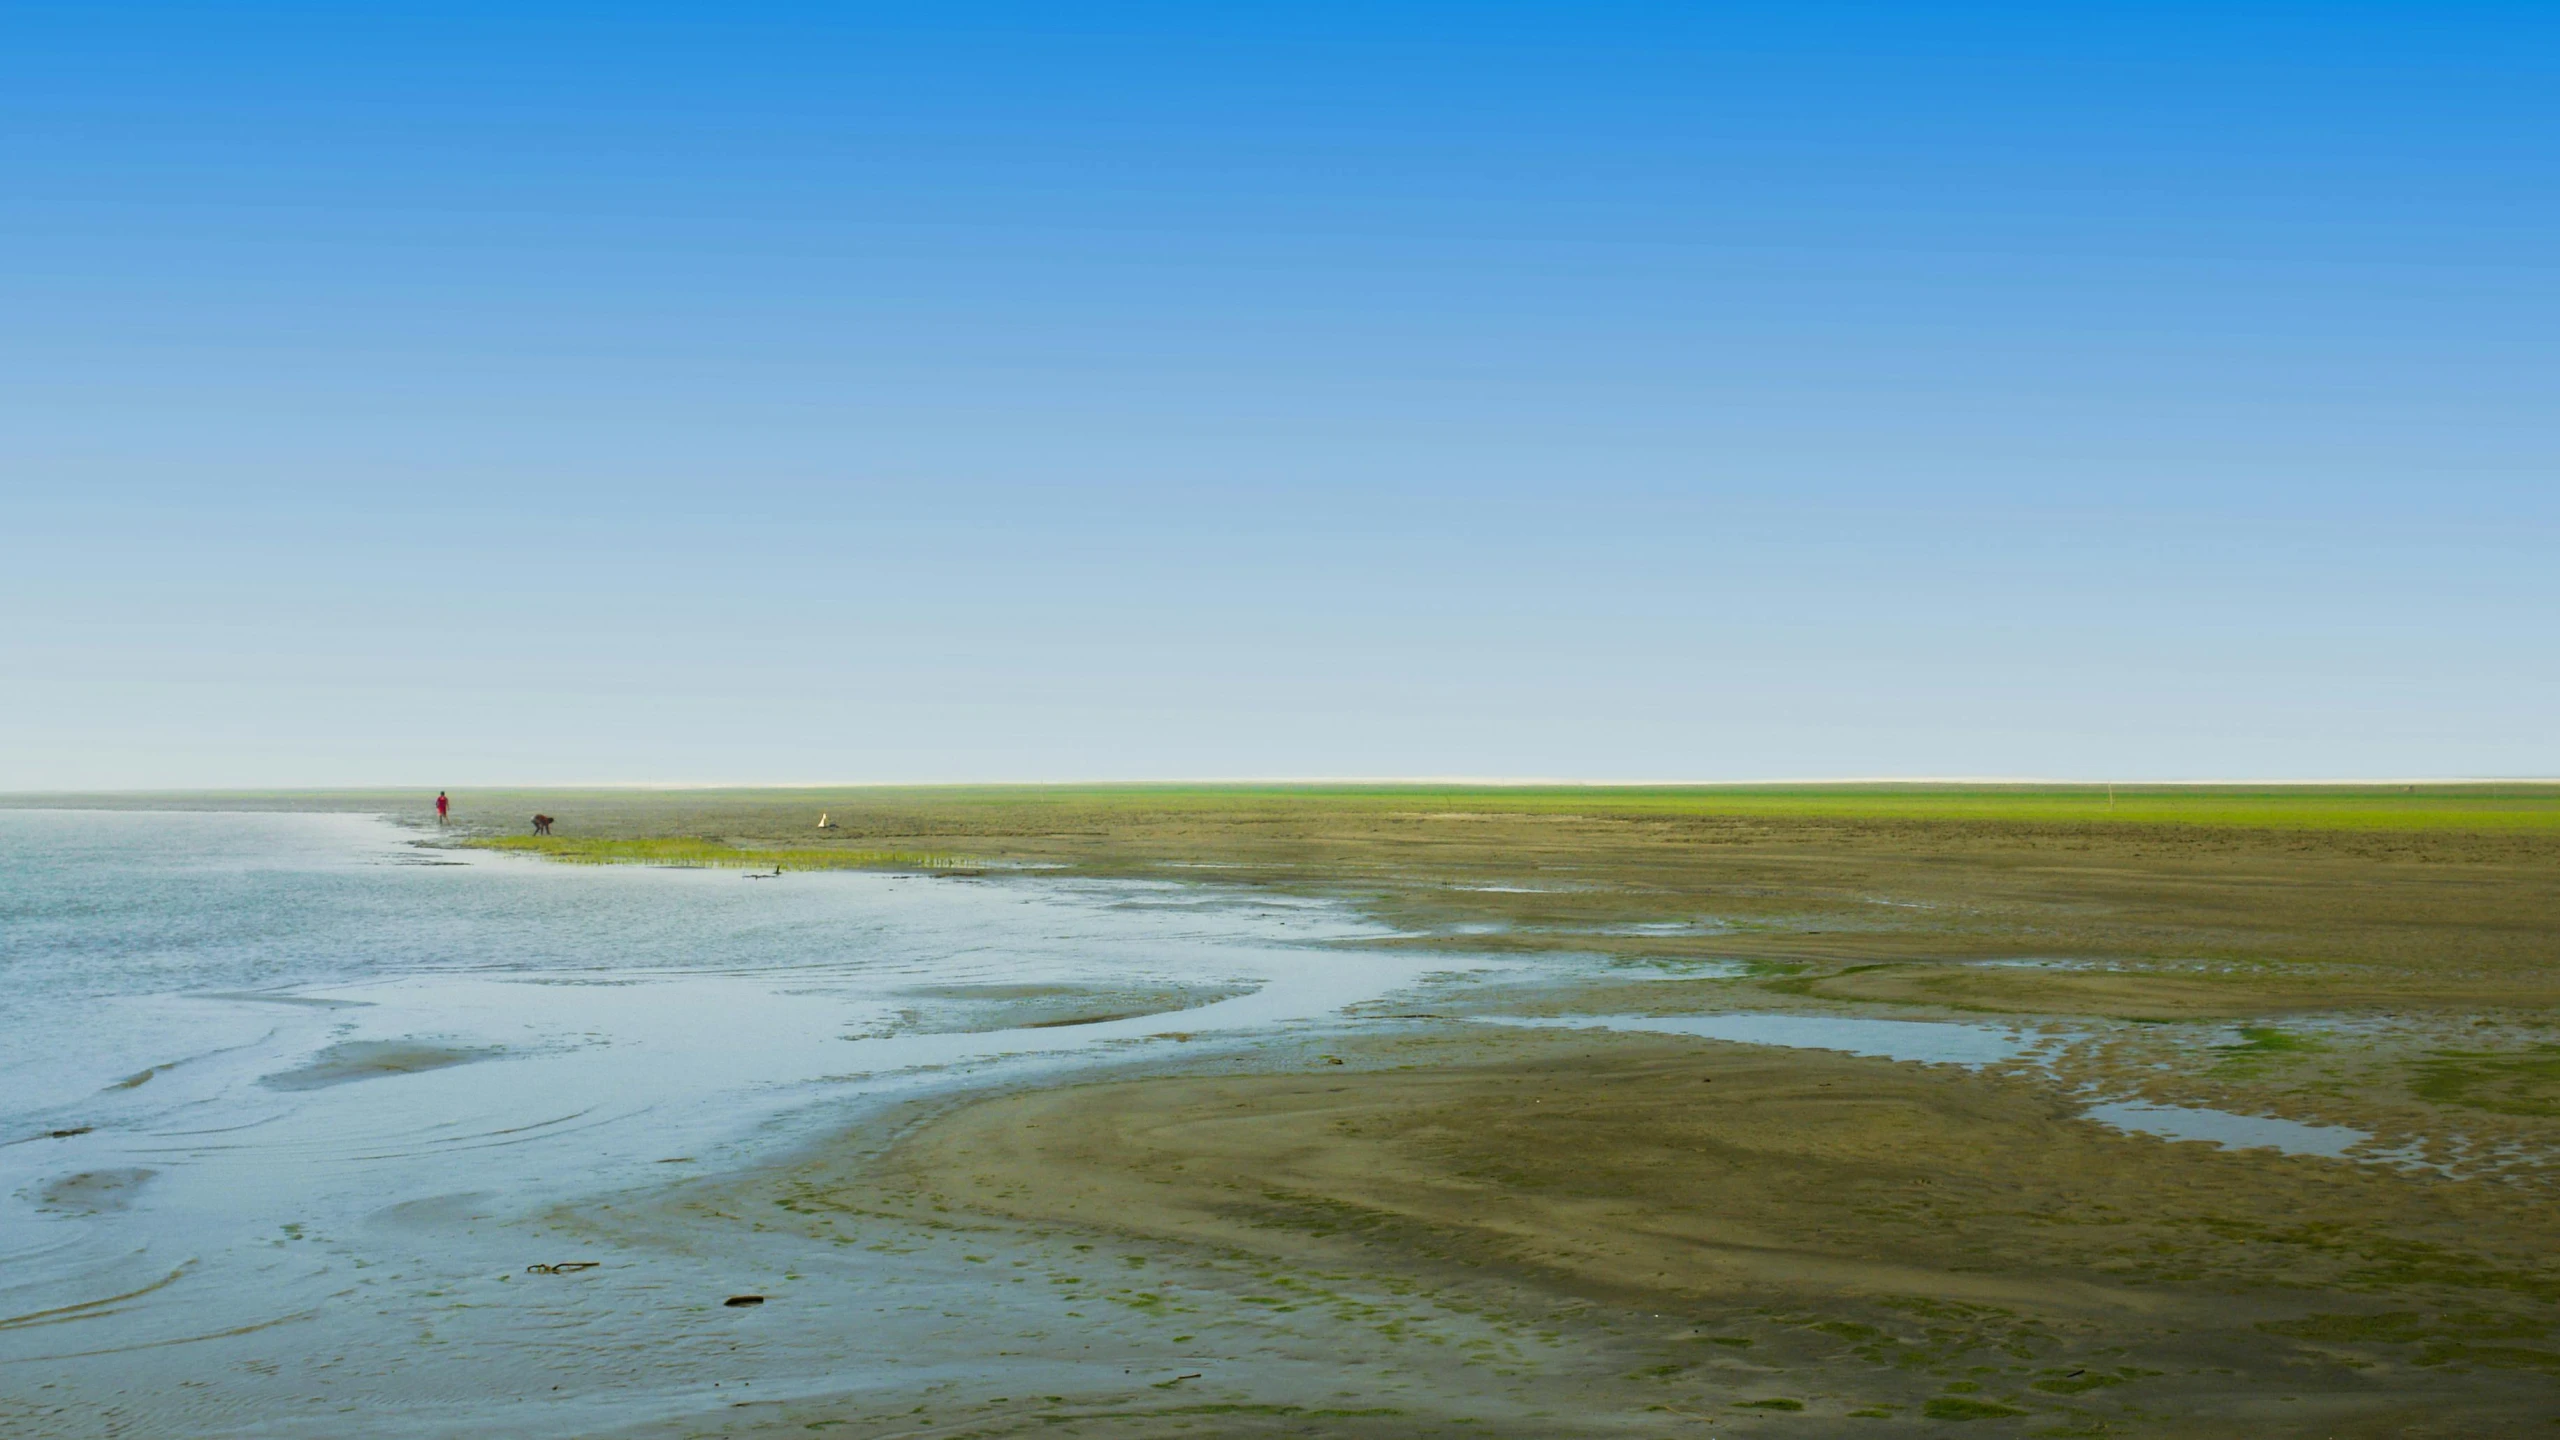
x=1933 y=1042
x=1944 y=1042
x=2235 y=1132
x=322 y=1081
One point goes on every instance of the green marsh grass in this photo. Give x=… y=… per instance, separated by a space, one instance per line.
x=2495 y=807
x=582 y=850
x=2516 y=806
x=2514 y=1083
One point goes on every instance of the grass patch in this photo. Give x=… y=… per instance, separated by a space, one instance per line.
x=2263 y=1040
x=2515 y=1083
x=579 y=850
x=2261 y=1045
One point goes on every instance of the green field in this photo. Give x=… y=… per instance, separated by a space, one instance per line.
x=677 y=851
x=2520 y=806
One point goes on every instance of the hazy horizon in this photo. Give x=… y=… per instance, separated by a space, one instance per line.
x=1453 y=782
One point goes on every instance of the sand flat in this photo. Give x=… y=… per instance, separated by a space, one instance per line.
x=1880 y=1230
x=354 y=1060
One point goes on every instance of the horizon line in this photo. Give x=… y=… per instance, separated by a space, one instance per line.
x=1450 y=781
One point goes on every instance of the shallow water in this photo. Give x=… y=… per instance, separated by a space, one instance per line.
x=1933 y=1042
x=2232 y=1131
x=262 y=1073
x=1975 y=1046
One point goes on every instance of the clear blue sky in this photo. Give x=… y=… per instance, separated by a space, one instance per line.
x=469 y=394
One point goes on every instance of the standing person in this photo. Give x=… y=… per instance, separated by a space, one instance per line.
x=442 y=805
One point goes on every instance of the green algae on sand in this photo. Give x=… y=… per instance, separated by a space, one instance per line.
x=719 y=854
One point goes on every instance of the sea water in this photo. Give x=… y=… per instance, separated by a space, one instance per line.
x=281 y=1090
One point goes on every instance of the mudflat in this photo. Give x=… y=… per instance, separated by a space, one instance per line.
x=1714 y=1237
x=1863 y=1239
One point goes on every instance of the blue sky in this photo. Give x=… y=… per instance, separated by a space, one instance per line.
x=480 y=394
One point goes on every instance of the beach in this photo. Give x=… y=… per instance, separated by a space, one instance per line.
x=1140 y=1114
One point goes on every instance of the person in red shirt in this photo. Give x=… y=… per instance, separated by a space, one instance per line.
x=442 y=804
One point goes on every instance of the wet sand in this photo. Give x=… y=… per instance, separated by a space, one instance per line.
x=1717 y=1228
x=347 y=1063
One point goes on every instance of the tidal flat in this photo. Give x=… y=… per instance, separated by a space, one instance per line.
x=1397 y=1217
